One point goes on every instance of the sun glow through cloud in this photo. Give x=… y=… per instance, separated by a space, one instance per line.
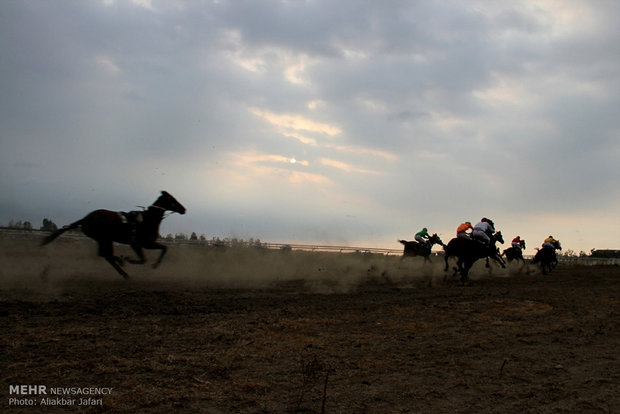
x=301 y=138
x=478 y=105
x=343 y=166
x=296 y=122
x=365 y=151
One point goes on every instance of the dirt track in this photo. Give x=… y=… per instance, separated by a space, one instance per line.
x=391 y=339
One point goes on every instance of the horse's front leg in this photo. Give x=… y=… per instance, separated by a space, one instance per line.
x=141 y=259
x=460 y=267
x=157 y=246
x=465 y=272
x=499 y=260
x=116 y=263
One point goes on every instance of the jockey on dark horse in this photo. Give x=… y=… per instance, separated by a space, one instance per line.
x=546 y=256
x=551 y=243
x=461 y=230
x=480 y=246
x=422 y=245
x=483 y=231
x=517 y=243
x=515 y=252
x=423 y=238
x=417 y=248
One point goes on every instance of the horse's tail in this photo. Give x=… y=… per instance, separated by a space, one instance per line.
x=58 y=232
x=537 y=256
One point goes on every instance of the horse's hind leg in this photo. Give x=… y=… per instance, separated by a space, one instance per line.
x=106 y=250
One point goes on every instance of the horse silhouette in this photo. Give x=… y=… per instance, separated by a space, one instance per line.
x=514 y=253
x=139 y=229
x=547 y=258
x=468 y=251
x=413 y=248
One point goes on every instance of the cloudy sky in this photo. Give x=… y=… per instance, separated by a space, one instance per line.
x=332 y=122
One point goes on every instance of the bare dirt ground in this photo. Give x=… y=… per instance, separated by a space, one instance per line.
x=274 y=332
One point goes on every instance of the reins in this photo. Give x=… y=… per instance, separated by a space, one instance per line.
x=161 y=208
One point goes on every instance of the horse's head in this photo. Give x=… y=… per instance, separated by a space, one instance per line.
x=522 y=243
x=435 y=239
x=167 y=202
x=557 y=245
x=497 y=237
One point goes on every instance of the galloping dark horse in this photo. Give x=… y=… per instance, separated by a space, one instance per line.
x=514 y=253
x=468 y=251
x=140 y=230
x=413 y=248
x=547 y=257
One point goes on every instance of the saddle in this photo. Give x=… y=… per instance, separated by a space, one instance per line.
x=423 y=245
x=132 y=217
x=479 y=241
x=490 y=247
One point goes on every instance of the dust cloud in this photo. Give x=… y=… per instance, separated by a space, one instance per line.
x=51 y=271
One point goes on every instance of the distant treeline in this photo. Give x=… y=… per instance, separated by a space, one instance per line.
x=49 y=226
x=214 y=241
x=606 y=253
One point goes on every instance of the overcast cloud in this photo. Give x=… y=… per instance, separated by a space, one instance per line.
x=316 y=121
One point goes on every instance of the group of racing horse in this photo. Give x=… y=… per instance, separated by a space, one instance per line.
x=468 y=248
x=140 y=230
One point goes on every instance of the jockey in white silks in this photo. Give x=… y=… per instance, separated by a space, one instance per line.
x=483 y=231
